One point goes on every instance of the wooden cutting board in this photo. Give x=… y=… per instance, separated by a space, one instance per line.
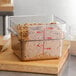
x=5 y=1
x=6 y=5
x=8 y=61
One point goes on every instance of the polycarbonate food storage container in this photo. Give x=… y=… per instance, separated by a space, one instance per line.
x=37 y=37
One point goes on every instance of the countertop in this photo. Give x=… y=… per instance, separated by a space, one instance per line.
x=69 y=69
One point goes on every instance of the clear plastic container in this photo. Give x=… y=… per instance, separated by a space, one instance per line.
x=37 y=37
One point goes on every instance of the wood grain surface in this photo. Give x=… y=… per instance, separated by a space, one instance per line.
x=9 y=62
x=6 y=5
